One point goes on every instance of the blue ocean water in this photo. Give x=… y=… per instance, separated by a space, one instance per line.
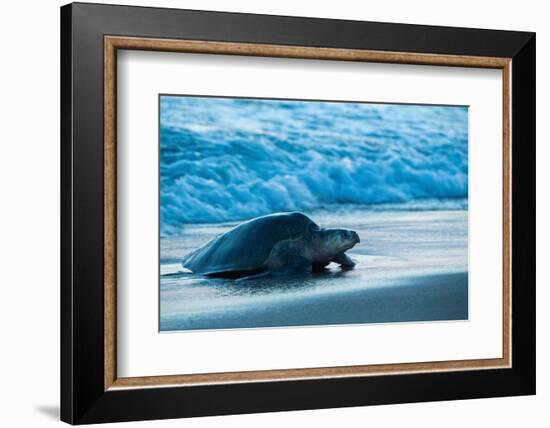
x=229 y=159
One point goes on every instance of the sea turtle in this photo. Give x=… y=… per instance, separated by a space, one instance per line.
x=276 y=244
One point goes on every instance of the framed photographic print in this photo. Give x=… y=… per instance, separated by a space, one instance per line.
x=265 y=213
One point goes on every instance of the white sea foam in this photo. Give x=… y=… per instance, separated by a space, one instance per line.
x=233 y=159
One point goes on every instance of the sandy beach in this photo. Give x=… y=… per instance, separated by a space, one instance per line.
x=411 y=266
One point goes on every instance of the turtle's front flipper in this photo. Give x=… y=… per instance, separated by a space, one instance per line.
x=344 y=260
x=287 y=258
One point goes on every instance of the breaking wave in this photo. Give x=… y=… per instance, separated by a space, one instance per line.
x=224 y=159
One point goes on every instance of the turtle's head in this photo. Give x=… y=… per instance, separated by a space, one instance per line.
x=334 y=241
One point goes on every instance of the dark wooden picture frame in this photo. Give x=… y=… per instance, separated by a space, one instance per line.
x=90 y=389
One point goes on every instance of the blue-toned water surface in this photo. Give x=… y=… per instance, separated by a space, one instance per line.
x=224 y=159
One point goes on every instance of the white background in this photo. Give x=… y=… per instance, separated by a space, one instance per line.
x=143 y=352
x=29 y=229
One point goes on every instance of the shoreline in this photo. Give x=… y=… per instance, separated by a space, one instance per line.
x=438 y=297
x=411 y=266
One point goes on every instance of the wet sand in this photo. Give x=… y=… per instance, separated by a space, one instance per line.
x=411 y=266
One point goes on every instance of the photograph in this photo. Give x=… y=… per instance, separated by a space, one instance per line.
x=291 y=212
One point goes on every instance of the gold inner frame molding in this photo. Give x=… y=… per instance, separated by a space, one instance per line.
x=113 y=43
